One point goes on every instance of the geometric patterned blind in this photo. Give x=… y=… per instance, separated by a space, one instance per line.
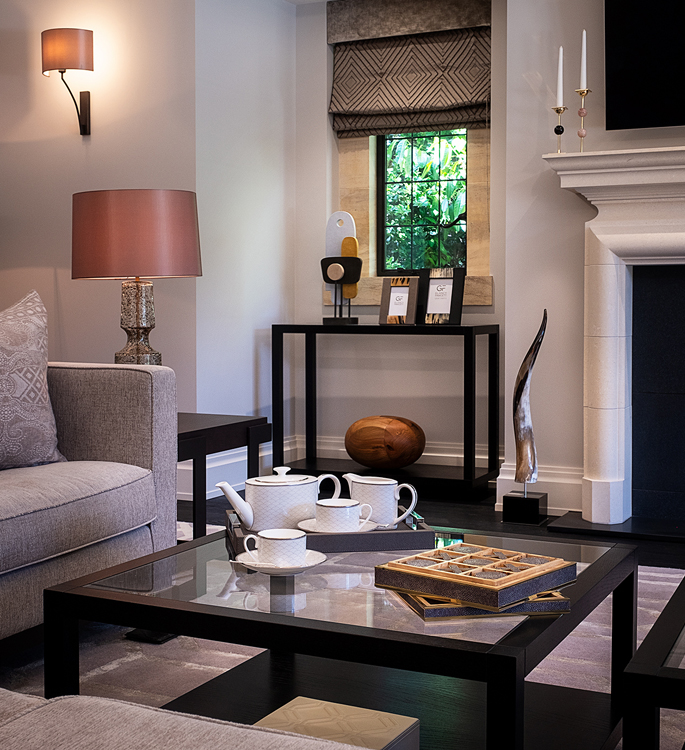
x=404 y=84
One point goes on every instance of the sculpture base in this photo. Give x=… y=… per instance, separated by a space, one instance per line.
x=531 y=509
x=340 y=321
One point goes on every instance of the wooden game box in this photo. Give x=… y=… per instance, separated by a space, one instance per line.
x=484 y=577
x=433 y=609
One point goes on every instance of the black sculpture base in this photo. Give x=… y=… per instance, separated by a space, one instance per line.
x=340 y=321
x=531 y=509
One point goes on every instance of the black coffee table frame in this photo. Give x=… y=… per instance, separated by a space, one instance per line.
x=648 y=684
x=503 y=666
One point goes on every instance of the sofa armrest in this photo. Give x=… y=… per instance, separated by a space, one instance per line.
x=122 y=413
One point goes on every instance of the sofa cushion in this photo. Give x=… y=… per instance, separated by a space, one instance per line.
x=84 y=723
x=28 y=435
x=49 y=510
x=12 y=704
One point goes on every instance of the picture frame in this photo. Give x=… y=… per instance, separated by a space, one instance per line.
x=399 y=300
x=439 y=306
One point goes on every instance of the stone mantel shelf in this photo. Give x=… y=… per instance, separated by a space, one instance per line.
x=633 y=174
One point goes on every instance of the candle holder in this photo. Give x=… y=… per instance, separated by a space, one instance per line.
x=559 y=128
x=582 y=113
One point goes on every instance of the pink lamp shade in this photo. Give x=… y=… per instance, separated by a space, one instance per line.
x=119 y=234
x=67 y=49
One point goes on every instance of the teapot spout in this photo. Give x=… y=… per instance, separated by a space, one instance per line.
x=242 y=508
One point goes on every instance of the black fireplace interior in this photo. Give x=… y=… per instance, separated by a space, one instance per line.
x=658 y=365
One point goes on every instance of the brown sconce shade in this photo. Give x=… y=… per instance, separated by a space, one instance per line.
x=67 y=49
x=118 y=234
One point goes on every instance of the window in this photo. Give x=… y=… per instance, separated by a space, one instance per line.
x=421 y=201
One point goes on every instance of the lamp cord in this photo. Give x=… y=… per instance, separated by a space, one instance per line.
x=61 y=74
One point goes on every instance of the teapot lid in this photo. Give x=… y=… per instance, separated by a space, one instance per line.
x=280 y=477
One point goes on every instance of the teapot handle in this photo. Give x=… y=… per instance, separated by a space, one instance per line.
x=336 y=482
x=413 y=501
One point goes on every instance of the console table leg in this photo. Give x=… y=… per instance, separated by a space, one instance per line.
x=493 y=402
x=277 y=396
x=310 y=395
x=469 y=407
x=61 y=670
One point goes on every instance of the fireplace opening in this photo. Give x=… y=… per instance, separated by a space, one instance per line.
x=658 y=392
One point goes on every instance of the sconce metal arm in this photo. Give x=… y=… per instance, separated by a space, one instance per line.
x=83 y=114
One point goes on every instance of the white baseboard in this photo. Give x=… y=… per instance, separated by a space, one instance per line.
x=231 y=466
x=434 y=452
x=563 y=485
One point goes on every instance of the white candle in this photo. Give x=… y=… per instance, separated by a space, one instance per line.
x=560 y=79
x=583 y=62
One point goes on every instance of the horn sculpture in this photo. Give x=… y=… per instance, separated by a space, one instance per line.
x=526 y=456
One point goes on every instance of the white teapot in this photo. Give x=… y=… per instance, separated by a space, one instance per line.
x=278 y=501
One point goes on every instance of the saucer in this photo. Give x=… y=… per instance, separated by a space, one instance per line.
x=310 y=525
x=311 y=559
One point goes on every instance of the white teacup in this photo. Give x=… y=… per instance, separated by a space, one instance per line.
x=339 y=515
x=282 y=548
x=382 y=494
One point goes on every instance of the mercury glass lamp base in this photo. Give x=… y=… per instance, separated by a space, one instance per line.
x=137 y=319
x=137 y=356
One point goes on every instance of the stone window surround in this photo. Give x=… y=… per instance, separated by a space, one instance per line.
x=357 y=186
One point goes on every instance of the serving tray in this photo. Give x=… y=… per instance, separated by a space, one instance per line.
x=476 y=575
x=402 y=538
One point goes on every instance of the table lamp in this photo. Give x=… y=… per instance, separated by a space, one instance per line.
x=130 y=234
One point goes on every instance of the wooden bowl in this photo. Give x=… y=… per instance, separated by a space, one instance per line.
x=385 y=442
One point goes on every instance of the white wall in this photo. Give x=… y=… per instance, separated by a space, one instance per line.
x=143 y=135
x=415 y=377
x=545 y=228
x=245 y=106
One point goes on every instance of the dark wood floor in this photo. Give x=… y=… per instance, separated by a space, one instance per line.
x=479 y=514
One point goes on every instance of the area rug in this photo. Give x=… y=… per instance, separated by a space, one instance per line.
x=112 y=666
x=184 y=530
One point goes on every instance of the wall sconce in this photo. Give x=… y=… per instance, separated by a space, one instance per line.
x=70 y=49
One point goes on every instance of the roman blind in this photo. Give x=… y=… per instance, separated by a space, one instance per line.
x=410 y=83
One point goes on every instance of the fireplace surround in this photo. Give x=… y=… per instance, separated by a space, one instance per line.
x=640 y=198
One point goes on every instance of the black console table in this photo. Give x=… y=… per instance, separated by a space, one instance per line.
x=428 y=478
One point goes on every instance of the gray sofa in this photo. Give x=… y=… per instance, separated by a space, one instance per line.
x=114 y=498
x=83 y=723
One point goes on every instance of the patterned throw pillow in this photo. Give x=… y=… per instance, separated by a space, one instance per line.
x=28 y=435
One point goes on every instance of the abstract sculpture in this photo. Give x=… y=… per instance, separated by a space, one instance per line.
x=525 y=507
x=382 y=442
x=526 y=455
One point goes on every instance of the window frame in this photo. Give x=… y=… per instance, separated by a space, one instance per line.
x=381 y=202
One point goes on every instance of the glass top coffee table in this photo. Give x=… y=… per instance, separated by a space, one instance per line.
x=333 y=611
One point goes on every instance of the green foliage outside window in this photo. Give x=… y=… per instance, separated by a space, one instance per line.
x=423 y=200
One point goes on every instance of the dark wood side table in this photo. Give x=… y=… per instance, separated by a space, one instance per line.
x=200 y=435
